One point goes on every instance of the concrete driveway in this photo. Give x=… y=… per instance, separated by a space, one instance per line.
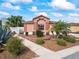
x=73 y=56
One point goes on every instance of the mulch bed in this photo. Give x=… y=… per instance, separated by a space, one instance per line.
x=27 y=54
x=51 y=44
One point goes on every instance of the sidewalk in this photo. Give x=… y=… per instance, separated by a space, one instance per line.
x=68 y=51
x=73 y=34
x=42 y=52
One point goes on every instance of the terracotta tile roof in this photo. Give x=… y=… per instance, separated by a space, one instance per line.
x=41 y=16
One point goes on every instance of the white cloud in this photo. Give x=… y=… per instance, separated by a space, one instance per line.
x=74 y=15
x=57 y=14
x=14 y=1
x=33 y=8
x=71 y=19
x=63 y=4
x=4 y=13
x=9 y=5
x=26 y=0
x=77 y=9
x=42 y=13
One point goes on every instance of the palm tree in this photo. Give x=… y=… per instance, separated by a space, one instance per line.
x=61 y=27
x=15 y=21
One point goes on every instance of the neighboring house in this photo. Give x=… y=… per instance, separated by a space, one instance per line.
x=74 y=27
x=17 y=30
x=44 y=24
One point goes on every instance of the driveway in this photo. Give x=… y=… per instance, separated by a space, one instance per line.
x=73 y=56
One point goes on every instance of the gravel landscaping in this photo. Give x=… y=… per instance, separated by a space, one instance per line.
x=51 y=44
x=27 y=54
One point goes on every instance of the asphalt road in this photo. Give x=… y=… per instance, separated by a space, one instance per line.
x=73 y=56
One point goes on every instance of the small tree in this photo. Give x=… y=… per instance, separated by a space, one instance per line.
x=61 y=27
x=40 y=41
x=39 y=33
x=14 y=46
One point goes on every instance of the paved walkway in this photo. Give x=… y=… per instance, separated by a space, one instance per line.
x=73 y=56
x=42 y=52
x=68 y=51
x=73 y=34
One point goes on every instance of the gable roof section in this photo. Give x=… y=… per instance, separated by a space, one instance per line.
x=31 y=22
x=41 y=16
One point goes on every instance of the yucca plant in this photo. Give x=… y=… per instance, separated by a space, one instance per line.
x=5 y=34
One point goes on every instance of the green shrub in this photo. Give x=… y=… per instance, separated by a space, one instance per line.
x=61 y=42
x=26 y=34
x=14 y=46
x=40 y=41
x=70 y=39
x=13 y=33
x=39 y=33
x=5 y=34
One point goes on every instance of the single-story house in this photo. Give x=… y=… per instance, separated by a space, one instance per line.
x=74 y=27
x=41 y=22
x=44 y=24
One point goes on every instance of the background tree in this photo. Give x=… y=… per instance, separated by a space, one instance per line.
x=61 y=27
x=14 y=21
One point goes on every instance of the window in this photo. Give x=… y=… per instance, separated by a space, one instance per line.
x=41 y=26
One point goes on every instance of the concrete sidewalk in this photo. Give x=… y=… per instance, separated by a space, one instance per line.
x=68 y=51
x=42 y=52
x=73 y=34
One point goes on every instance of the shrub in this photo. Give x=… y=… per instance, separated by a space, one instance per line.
x=26 y=34
x=39 y=33
x=60 y=36
x=5 y=34
x=70 y=39
x=40 y=41
x=13 y=33
x=61 y=42
x=14 y=46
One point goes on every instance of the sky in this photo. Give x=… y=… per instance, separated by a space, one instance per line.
x=66 y=10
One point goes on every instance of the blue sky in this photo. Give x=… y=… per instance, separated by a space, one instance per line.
x=66 y=10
